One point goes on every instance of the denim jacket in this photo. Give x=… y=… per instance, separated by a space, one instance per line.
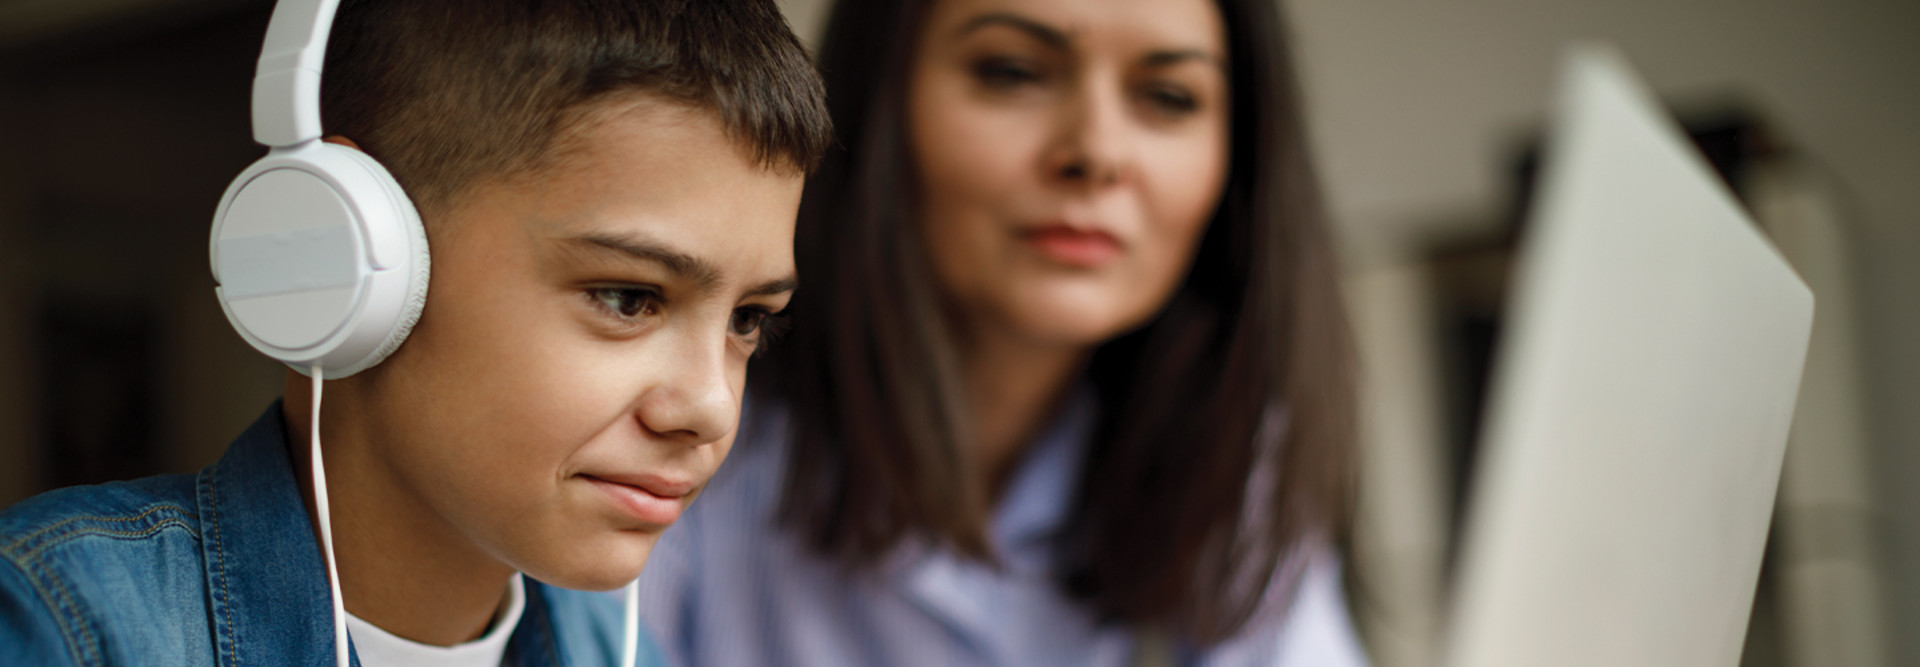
x=216 y=568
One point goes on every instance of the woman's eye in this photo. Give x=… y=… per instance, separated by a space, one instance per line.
x=1005 y=72
x=626 y=302
x=1172 y=100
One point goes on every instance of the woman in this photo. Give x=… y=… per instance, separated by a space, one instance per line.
x=1069 y=378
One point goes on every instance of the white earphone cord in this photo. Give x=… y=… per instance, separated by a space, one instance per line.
x=326 y=527
x=632 y=650
x=628 y=656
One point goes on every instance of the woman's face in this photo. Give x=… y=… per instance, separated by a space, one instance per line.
x=1070 y=153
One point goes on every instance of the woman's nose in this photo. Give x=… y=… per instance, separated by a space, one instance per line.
x=1090 y=149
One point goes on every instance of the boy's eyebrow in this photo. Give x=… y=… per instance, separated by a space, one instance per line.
x=771 y=287
x=1050 y=35
x=679 y=263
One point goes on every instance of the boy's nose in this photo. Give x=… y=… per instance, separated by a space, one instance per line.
x=691 y=402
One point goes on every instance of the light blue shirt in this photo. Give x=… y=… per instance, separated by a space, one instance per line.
x=726 y=587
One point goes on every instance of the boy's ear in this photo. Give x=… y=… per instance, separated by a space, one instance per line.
x=337 y=139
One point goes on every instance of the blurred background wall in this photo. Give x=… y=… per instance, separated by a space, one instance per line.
x=123 y=122
x=124 y=119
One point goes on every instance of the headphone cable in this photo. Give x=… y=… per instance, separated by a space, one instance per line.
x=326 y=528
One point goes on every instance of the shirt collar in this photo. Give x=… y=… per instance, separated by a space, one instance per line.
x=958 y=591
x=386 y=648
x=1044 y=484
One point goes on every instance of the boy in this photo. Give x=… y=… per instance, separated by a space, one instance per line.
x=608 y=190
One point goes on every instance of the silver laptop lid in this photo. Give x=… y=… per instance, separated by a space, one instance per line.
x=1640 y=404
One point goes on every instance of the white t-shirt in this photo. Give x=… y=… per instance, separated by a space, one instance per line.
x=379 y=648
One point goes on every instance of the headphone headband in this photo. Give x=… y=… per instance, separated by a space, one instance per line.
x=286 y=87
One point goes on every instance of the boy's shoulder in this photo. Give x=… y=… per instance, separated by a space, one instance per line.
x=121 y=512
x=175 y=566
x=79 y=564
x=84 y=530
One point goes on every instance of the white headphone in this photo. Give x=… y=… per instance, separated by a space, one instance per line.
x=321 y=258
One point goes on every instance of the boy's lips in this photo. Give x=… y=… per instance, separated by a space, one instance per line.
x=649 y=498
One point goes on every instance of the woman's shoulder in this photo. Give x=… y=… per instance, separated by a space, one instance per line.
x=748 y=484
x=718 y=561
x=1304 y=619
x=1318 y=627
x=738 y=507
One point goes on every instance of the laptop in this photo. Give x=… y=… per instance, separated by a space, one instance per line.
x=1640 y=403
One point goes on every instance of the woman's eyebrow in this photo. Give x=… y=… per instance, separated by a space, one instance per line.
x=1177 y=56
x=1047 y=34
x=1060 y=39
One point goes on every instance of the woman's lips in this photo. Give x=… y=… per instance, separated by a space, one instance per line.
x=1070 y=246
x=650 y=500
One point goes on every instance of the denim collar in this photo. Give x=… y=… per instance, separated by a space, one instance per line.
x=266 y=584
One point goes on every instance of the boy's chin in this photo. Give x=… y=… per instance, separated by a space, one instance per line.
x=594 y=569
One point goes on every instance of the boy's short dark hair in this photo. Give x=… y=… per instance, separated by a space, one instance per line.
x=448 y=92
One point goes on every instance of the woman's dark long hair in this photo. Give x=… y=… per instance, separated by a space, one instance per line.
x=1225 y=432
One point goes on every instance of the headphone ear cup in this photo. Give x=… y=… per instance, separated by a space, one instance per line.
x=419 y=265
x=321 y=259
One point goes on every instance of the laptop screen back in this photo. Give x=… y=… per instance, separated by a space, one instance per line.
x=1640 y=406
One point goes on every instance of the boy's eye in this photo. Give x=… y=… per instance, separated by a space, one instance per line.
x=758 y=326
x=626 y=302
x=747 y=321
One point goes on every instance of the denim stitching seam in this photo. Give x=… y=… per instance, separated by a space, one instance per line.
x=29 y=537
x=89 y=532
x=57 y=604
x=220 y=555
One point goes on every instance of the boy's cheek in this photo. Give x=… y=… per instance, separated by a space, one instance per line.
x=574 y=549
x=538 y=517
